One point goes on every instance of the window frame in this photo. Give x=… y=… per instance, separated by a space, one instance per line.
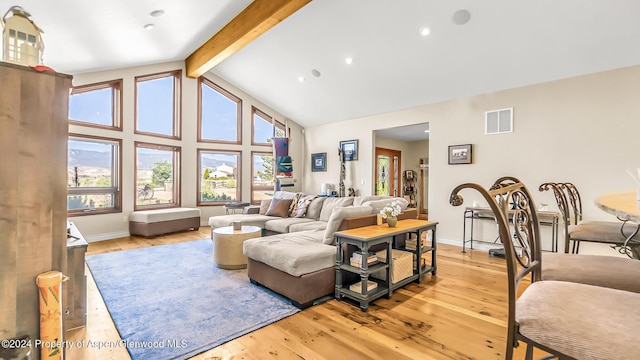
x=253 y=171
x=177 y=175
x=274 y=124
x=202 y=81
x=177 y=103
x=199 y=201
x=117 y=178
x=116 y=103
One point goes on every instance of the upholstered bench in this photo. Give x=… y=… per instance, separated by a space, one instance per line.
x=150 y=223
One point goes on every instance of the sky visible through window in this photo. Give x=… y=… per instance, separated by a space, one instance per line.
x=219 y=116
x=155 y=106
x=92 y=107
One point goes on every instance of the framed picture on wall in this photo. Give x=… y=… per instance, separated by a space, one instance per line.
x=319 y=162
x=460 y=154
x=349 y=149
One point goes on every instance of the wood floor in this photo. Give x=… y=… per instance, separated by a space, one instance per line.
x=459 y=314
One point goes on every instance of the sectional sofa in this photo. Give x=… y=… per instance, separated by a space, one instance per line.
x=297 y=256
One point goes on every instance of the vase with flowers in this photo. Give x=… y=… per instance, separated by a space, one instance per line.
x=391 y=212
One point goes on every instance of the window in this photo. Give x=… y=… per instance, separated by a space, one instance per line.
x=157 y=176
x=97 y=105
x=219 y=118
x=93 y=168
x=262 y=174
x=219 y=176
x=263 y=128
x=158 y=104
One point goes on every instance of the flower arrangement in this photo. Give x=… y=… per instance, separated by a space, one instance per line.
x=393 y=209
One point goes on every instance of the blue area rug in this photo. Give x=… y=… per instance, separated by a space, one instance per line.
x=172 y=302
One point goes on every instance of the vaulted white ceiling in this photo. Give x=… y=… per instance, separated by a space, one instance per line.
x=505 y=44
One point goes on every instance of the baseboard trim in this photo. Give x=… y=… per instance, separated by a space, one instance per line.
x=107 y=236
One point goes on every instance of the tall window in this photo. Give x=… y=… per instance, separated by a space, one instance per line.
x=262 y=185
x=219 y=176
x=97 y=105
x=158 y=104
x=264 y=128
x=220 y=115
x=157 y=176
x=93 y=168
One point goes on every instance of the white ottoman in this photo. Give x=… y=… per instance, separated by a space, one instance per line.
x=150 y=223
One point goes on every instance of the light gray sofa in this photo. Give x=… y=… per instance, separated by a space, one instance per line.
x=298 y=259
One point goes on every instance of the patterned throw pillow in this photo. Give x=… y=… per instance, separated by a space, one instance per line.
x=294 y=204
x=302 y=205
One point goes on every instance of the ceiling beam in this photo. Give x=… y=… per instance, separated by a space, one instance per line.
x=253 y=21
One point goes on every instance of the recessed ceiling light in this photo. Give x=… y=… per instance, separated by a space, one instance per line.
x=461 y=17
x=156 y=13
x=315 y=73
x=301 y=78
x=426 y=131
x=424 y=31
x=348 y=60
x=149 y=26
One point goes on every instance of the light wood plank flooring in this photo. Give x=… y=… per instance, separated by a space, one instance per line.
x=459 y=314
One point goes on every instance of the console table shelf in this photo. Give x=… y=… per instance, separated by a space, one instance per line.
x=365 y=238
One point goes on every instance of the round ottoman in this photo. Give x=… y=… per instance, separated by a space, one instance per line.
x=227 y=246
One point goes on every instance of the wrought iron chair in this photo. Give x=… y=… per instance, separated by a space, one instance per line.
x=596 y=323
x=607 y=271
x=619 y=234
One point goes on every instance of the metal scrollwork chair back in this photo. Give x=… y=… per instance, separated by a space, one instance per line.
x=595 y=324
x=520 y=238
x=620 y=235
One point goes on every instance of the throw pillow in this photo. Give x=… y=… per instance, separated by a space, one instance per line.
x=294 y=204
x=279 y=207
x=303 y=205
x=264 y=206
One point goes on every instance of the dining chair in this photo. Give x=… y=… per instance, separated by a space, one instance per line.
x=600 y=270
x=620 y=235
x=565 y=319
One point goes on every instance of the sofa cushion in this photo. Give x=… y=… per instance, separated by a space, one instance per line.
x=332 y=202
x=339 y=214
x=360 y=200
x=279 y=207
x=246 y=219
x=282 y=225
x=379 y=204
x=294 y=253
x=280 y=194
x=314 y=208
x=311 y=225
x=264 y=206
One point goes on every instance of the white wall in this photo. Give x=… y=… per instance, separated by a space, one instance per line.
x=100 y=227
x=582 y=130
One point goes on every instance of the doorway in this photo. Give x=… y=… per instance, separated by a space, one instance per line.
x=388 y=164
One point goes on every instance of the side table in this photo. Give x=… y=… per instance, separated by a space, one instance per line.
x=231 y=207
x=227 y=246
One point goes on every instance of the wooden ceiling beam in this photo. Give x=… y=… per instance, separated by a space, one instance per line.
x=253 y=21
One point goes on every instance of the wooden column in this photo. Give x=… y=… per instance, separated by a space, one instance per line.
x=33 y=190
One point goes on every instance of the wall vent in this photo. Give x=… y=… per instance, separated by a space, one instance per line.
x=498 y=121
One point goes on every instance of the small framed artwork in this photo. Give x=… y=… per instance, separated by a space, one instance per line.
x=460 y=154
x=349 y=149
x=319 y=162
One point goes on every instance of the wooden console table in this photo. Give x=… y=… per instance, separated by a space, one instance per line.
x=363 y=239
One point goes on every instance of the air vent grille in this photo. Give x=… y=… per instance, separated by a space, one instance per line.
x=498 y=121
